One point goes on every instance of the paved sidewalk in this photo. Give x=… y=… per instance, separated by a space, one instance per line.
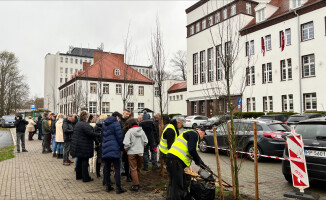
x=34 y=175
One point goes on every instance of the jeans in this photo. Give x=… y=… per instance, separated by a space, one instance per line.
x=54 y=144
x=40 y=134
x=116 y=164
x=20 y=137
x=46 y=143
x=66 y=151
x=153 y=150
x=82 y=169
x=60 y=148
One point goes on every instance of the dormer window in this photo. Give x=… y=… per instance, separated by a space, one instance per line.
x=117 y=72
x=233 y=9
x=248 y=8
x=295 y=3
x=260 y=15
x=225 y=13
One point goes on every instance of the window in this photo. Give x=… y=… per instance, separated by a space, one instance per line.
x=130 y=106
x=71 y=60
x=250 y=48
x=248 y=76
x=66 y=70
x=202 y=107
x=195 y=66
x=310 y=101
x=267 y=73
x=177 y=97
x=250 y=73
x=248 y=8
x=270 y=98
x=197 y=27
x=76 y=70
x=233 y=9
x=130 y=90
x=105 y=88
x=225 y=13
x=105 y=107
x=60 y=80
x=219 y=74
x=92 y=107
x=170 y=98
x=93 y=88
x=141 y=90
x=268 y=42
x=117 y=72
x=61 y=59
x=260 y=15
x=81 y=62
x=61 y=70
x=202 y=67
x=66 y=80
x=66 y=60
x=173 y=98
x=266 y=104
x=253 y=79
x=286 y=69
x=156 y=91
x=295 y=3
x=217 y=17
x=307 y=31
x=76 y=61
x=210 y=20
x=308 y=65
x=248 y=105
x=227 y=48
x=203 y=24
x=195 y=107
x=210 y=65
x=118 y=88
x=181 y=97
x=291 y=101
x=287 y=37
x=284 y=103
x=141 y=105
x=71 y=70
x=192 y=31
x=253 y=104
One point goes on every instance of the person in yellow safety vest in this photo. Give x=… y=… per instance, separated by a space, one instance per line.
x=170 y=133
x=180 y=155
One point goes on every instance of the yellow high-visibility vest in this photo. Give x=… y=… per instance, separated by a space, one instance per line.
x=163 y=143
x=180 y=148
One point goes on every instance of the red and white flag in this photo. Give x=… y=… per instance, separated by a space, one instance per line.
x=282 y=40
x=263 y=45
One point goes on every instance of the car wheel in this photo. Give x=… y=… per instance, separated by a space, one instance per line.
x=288 y=177
x=194 y=125
x=203 y=146
x=251 y=149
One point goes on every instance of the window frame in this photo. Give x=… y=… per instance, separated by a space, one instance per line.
x=210 y=68
x=313 y=97
x=308 y=33
x=106 y=88
x=93 y=88
x=248 y=6
x=309 y=65
x=130 y=90
x=233 y=10
x=117 y=72
x=202 y=67
x=118 y=89
x=195 y=69
x=105 y=107
x=141 y=90
x=219 y=64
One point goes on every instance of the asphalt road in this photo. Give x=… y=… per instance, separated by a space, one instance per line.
x=272 y=184
x=5 y=139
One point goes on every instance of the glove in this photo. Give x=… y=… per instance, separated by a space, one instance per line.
x=204 y=166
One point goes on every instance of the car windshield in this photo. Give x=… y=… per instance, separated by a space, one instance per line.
x=9 y=117
x=277 y=127
x=267 y=117
x=296 y=118
x=311 y=131
x=190 y=117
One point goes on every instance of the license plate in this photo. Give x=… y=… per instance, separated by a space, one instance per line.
x=315 y=153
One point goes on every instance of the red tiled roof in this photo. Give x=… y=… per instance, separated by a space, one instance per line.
x=108 y=64
x=178 y=86
x=283 y=7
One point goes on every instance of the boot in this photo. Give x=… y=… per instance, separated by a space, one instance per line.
x=54 y=155
x=120 y=190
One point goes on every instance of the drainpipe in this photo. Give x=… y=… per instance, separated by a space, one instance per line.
x=299 y=61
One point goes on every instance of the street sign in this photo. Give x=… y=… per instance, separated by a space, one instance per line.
x=239 y=102
x=297 y=161
x=33 y=107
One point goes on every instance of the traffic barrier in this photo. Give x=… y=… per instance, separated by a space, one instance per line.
x=247 y=153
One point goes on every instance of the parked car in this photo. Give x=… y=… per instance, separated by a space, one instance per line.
x=295 y=119
x=216 y=120
x=8 y=121
x=279 y=117
x=195 y=120
x=177 y=116
x=269 y=143
x=313 y=132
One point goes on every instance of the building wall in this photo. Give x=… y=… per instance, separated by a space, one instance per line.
x=177 y=103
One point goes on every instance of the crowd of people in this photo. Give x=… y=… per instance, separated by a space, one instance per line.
x=123 y=145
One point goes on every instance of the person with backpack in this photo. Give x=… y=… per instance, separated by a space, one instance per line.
x=20 y=125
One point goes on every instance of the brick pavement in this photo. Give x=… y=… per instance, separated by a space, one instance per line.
x=34 y=175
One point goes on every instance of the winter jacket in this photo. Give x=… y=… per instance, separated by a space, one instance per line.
x=59 y=131
x=30 y=127
x=53 y=122
x=39 y=122
x=150 y=131
x=20 y=125
x=135 y=141
x=82 y=144
x=68 y=130
x=45 y=126
x=98 y=140
x=112 y=138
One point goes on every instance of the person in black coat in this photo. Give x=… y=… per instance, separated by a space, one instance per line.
x=82 y=146
x=98 y=143
x=20 y=125
x=39 y=127
x=68 y=130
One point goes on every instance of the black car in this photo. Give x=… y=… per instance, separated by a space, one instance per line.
x=313 y=132
x=217 y=120
x=270 y=142
x=295 y=119
x=279 y=117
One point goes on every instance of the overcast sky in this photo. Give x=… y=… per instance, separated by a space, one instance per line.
x=34 y=28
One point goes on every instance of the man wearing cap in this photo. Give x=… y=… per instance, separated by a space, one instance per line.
x=170 y=133
x=180 y=155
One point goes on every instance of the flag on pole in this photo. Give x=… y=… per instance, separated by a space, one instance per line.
x=263 y=46
x=282 y=40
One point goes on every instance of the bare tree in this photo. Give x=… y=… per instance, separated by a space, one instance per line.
x=180 y=64
x=158 y=60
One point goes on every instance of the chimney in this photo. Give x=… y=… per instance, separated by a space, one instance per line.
x=86 y=65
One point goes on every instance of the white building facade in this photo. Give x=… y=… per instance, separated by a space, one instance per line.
x=177 y=95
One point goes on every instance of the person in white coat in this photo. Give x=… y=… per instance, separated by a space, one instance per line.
x=59 y=135
x=30 y=128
